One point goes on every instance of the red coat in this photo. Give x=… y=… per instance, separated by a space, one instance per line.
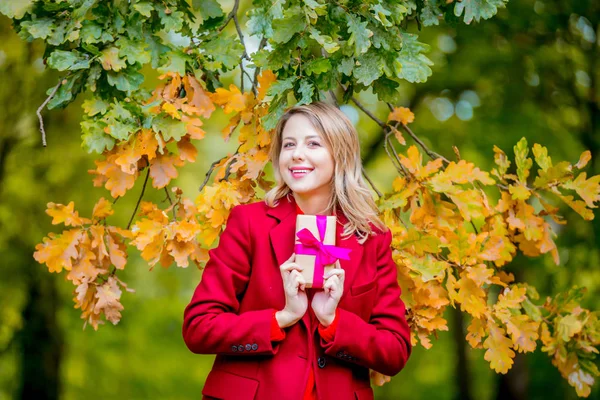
x=231 y=310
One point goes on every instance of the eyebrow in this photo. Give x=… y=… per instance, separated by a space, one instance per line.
x=308 y=137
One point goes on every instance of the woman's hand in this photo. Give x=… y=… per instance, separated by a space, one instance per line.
x=379 y=379
x=325 y=303
x=294 y=286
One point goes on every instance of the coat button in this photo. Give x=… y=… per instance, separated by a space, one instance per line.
x=254 y=346
x=340 y=354
x=321 y=361
x=248 y=347
x=240 y=348
x=234 y=348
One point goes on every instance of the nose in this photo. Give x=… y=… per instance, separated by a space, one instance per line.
x=298 y=153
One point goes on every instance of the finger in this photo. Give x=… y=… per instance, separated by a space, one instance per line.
x=336 y=271
x=292 y=258
x=290 y=267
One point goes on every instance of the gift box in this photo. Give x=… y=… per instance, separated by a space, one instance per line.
x=315 y=247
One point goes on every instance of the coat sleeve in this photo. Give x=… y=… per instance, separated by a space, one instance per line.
x=383 y=343
x=212 y=323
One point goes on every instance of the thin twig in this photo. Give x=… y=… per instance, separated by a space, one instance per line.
x=239 y=31
x=261 y=45
x=432 y=154
x=139 y=198
x=39 y=110
x=371 y=183
x=388 y=143
x=168 y=195
x=209 y=173
x=230 y=15
x=369 y=113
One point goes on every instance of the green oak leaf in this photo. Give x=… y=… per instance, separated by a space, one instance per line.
x=477 y=9
x=293 y=22
x=317 y=66
x=39 y=28
x=306 y=90
x=346 y=66
x=68 y=60
x=133 y=51
x=15 y=9
x=369 y=68
x=380 y=13
x=90 y=32
x=94 y=139
x=276 y=110
x=327 y=42
x=415 y=65
x=208 y=8
x=126 y=81
x=173 y=61
x=95 y=106
x=144 y=8
x=430 y=13
x=386 y=90
x=68 y=90
x=225 y=50
x=359 y=34
x=281 y=86
x=169 y=127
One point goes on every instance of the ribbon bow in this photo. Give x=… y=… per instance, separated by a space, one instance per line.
x=325 y=254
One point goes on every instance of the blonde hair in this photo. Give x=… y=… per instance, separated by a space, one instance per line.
x=350 y=193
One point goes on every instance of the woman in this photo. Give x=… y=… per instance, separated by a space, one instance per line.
x=274 y=338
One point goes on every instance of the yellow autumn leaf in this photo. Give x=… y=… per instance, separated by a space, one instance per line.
x=65 y=214
x=499 y=353
x=402 y=115
x=231 y=100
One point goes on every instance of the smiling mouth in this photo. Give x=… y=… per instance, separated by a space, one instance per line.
x=299 y=173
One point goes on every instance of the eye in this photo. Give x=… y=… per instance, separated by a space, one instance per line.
x=313 y=143
x=287 y=144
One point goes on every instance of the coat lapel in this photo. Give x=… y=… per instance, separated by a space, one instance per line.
x=282 y=241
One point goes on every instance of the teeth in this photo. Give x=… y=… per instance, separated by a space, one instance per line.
x=300 y=170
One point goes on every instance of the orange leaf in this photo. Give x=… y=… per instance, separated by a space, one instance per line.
x=146 y=143
x=57 y=251
x=499 y=352
x=402 y=115
x=265 y=80
x=585 y=157
x=102 y=209
x=162 y=170
x=171 y=110
x=127 y=157
x=180 y=251
x=118 y=252
x=197 y=97
x=231 y=100
x=65 y=214
x=109 y=295
x=187 y=151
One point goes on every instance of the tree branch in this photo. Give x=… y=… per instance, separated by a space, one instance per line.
x=140 y=198
x=371 y=183
x=39 y=110
x=209 y=172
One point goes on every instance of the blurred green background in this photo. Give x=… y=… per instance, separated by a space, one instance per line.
x=533 y=71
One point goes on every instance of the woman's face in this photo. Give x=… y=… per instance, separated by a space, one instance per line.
x=305 y=163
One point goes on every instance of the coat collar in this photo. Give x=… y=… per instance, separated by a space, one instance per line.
x=282 y=240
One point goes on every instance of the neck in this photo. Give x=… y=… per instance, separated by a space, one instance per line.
x=313 y=204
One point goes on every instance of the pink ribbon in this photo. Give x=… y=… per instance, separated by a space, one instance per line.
x=325 y=254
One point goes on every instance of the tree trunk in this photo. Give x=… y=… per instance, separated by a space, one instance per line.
x=462 y=363
x=41 y=339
